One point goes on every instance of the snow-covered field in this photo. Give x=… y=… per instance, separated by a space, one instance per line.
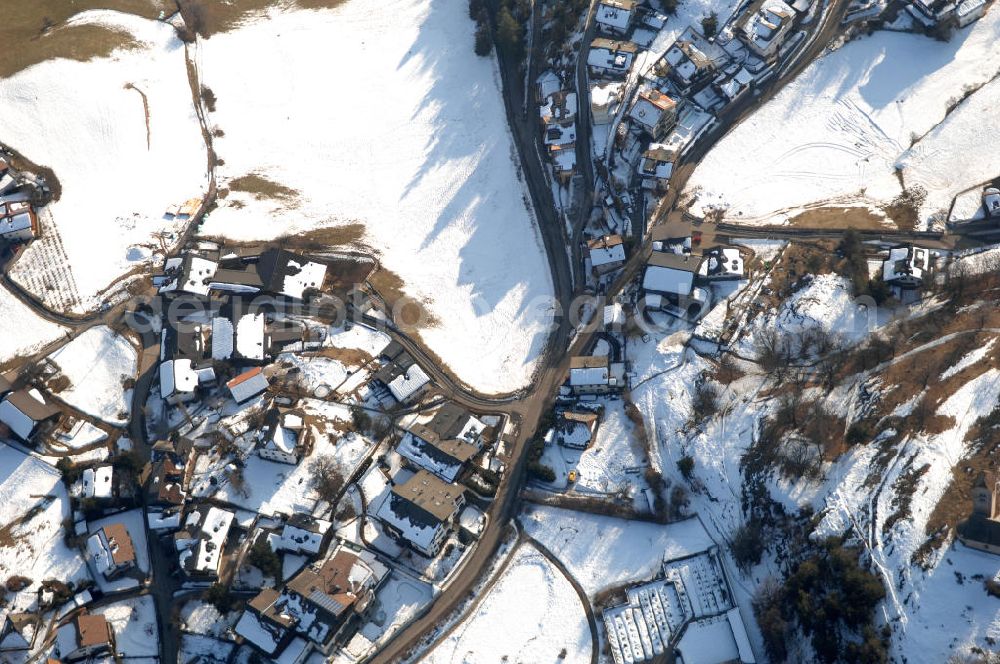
x=23 y=332
x=380 y=115
x=532 y=614
x=837 y=133
x=603 y=552
x=122 y=136
x=97 y=363
x=33 y=505
x=134 y=624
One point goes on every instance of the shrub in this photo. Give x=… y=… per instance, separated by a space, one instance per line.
x=686 y=465
x=263 y=557
x=541 y=471
x=208 y=97
x=325 y=478
x=17 y=583
x=748 y=545
x=219 y=596
x=710 y=25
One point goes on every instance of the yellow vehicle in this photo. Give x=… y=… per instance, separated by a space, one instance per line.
x=572 y=476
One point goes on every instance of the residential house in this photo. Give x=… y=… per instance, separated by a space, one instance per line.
x=323 y=603
x=577 y=429
x=607 y=254
x=654 y=112
x=991 y=202
x=766 y=29
x=18 y=222
x=611 y=58
x=453 y=421
x=732 y=87
x=656 y=167
x=420 y=512
x=404 y=381
x=674 y=237
x=275 y=271
x=547 y=83
x=558 y=116
x=615 y=17
x=905 y=270
x=248 y=385
x=97 y=482
x=685 y=64
x=25 y=412
x=203 y=541
x=668 y=281
x=286 y=437
x=982 y=529
x=111 y=551
x=427 y=449
x=605 y=100
x=596 y=375
x=178 y=381
x=17 y=631
x=84 y=637
x=163 y=479
x=189 y=274
x=721 y=264
x=301 y=535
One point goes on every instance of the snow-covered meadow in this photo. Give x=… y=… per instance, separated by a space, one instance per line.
x=837 y=134
x=123 y=138
x=22 y=330
x=532 y=614
x=97 y=363
x=381 y=115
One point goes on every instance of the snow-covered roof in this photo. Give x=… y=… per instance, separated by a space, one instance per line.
x=614 y=314
x=615 y=13
x=222 y=338
x=249 y=336
x=650 y=107
x=607 y=54
x=905 y=263
x=97 y=482
x=605 y=254
x=300 y=540
x=15 y=223
x=408 y=383
x=667 y=280
x=177 y=377
x=264 y=637
x=247 y=385
x=19 y=423
x=548 y=82
x=303 y=275
x=194 y=274
x=214 y=531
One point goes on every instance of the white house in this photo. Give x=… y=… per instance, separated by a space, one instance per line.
x=111 y=551
x=190 y=274
x=611 y=58
x=409 y=383
x=656 y=166
x=668 y=282
x=18 y=222
x=596 y=375
x=285 y=440
x=765 y=30
x=615 y=16
x=208 y=530
x=605 y=100
x=421 y=511
x=97 y=482
x=654 y=112
x=178 y=381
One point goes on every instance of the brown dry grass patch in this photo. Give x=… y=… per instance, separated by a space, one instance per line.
x=351 y=357
x=33 y=31
x=261 y=188
x=211 y=17
x=840 y=217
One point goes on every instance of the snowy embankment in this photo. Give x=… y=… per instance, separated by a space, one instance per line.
x=123 y=138
x=532 y=614
x=97 y=364
x=837 y=133
x=23 y=332
x=381 y=115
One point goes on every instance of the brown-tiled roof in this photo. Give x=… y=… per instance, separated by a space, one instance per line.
x=31 y=406
x=122 y=550
x=430 y=494
x=93 y=630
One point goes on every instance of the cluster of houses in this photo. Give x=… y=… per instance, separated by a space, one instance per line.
x=20 y=195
